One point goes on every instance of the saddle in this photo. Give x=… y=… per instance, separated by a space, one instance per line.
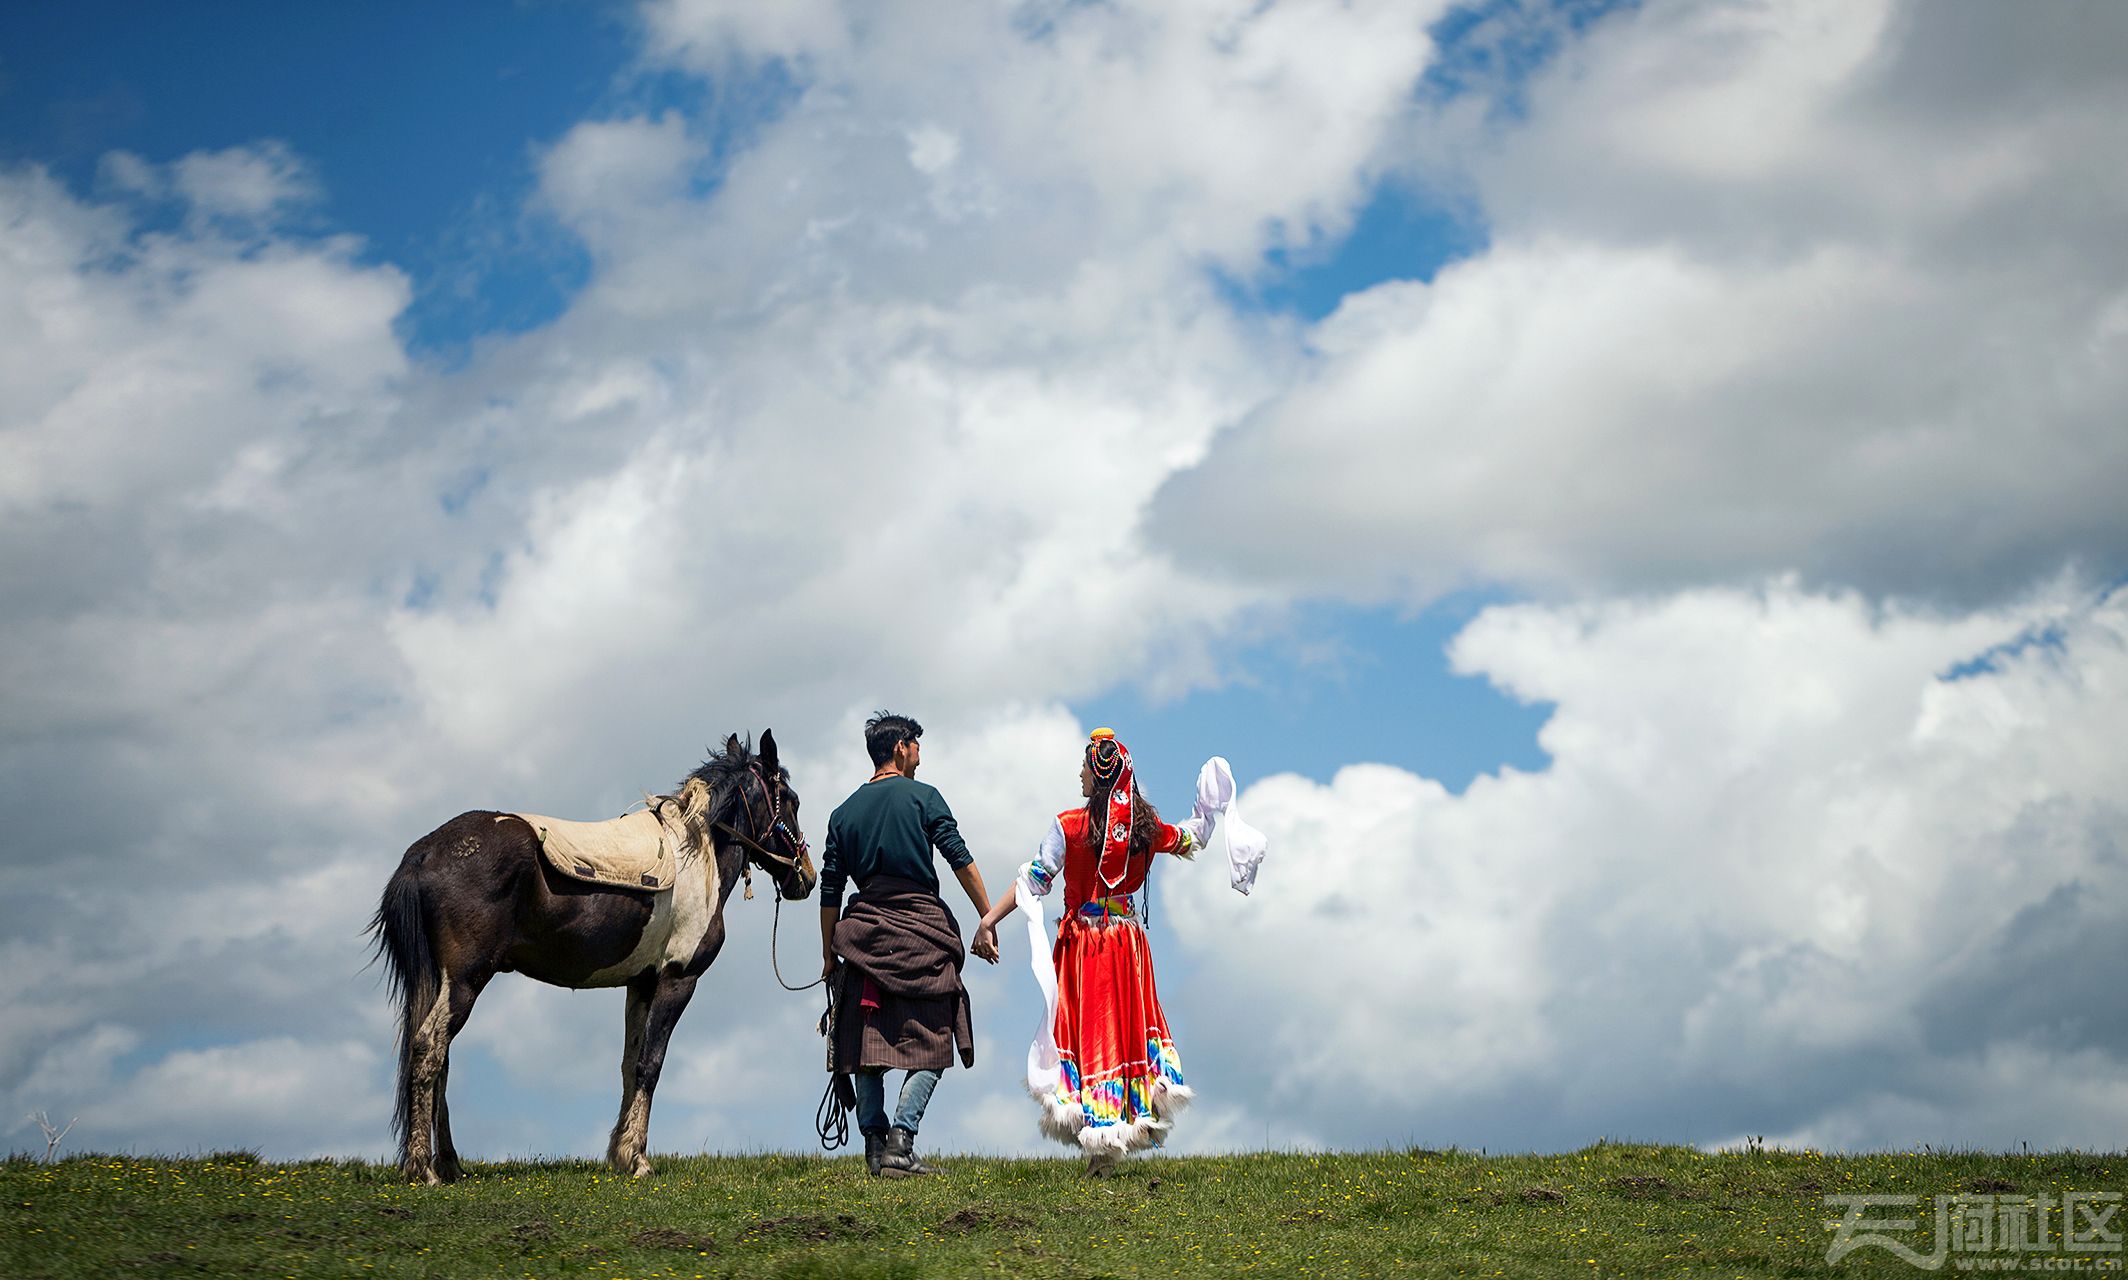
x=634 y=851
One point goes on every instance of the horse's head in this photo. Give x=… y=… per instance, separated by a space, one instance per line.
x=755 y=807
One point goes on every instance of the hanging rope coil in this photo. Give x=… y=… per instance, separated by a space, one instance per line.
x=831 y=1119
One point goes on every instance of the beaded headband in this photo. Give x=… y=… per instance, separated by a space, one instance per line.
x=1105 y=763
x=1111 y=763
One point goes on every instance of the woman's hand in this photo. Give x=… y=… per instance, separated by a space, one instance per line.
x=985 y=945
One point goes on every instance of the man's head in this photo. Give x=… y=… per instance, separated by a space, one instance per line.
x=891 y=739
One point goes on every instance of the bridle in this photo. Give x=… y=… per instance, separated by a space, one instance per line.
x=778 y=830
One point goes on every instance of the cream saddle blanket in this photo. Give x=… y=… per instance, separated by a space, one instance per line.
x=634 y=851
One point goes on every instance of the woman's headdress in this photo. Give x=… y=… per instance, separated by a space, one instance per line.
x=1111 y=763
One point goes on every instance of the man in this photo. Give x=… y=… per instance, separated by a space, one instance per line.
x=899 y=1001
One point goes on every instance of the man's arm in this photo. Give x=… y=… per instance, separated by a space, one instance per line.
x=971 y=878
x=831 y=883
x=945 y=836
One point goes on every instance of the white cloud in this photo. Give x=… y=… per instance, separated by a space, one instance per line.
x=712 y=34
x=251 y=182
x=608 y=175
x=1131 y=133
x=1757 y=300
x=2007 y=1094
x=1778 y=866
x=149 y=360
x=287 y=1096
x=202 y=499
x=290 y=1097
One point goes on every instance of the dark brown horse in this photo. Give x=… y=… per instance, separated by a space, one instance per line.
x=475 y=897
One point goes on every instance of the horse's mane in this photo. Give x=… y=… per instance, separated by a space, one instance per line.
x=710 y=794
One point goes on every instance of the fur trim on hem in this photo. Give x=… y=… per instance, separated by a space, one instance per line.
x=1060 y=1122
x=1067 y=1124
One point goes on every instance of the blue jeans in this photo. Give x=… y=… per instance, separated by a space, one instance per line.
x=871 y=1085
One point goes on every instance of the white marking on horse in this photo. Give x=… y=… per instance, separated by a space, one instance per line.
x=679 y=917
x=431 y=1046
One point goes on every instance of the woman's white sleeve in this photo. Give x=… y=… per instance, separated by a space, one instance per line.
x=1037 y=876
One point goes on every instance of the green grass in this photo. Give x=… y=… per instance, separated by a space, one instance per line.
x=1607 y=1210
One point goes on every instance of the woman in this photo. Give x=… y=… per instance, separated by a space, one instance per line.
x=1111 y=1081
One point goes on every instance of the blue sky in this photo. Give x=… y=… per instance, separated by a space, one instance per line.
x=422 y=133
x=491 y=405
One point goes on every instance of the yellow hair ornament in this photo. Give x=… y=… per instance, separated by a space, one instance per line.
x=1099 y=734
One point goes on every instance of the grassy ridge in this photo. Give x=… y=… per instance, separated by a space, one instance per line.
x=1607 y=1210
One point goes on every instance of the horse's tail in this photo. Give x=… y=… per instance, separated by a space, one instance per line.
x=400 y=928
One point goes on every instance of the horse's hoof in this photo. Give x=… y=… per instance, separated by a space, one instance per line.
x=449 y=1171
x=640 y=1169
x=421 y=1172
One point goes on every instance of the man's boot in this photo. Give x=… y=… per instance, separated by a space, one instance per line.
x=875 y=1150
x=901 y=1161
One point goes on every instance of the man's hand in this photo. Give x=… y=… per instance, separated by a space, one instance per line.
x=985 y=945
x=827 y=967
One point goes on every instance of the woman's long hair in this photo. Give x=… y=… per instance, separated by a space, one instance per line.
x=1145 y=820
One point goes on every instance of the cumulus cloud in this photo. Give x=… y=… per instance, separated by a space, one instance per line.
x=243 y=182
x=711 y=35
x=202 y=501
x=1808 y=287
x=1792 y=856
x=919 y=350
x=299 y=1099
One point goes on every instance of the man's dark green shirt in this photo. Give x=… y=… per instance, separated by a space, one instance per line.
x=889 y=827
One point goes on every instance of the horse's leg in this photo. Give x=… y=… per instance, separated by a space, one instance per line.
x=464 y=992
x=427 y=1116
x=666 y=1005
x=640 y=992
x=425 y=1062
x=447 y=1167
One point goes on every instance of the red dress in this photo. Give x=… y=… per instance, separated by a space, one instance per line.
x=1118 y=1080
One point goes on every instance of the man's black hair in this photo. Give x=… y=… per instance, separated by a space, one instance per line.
x=886 y=731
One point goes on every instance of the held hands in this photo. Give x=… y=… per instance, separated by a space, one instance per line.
x=985 y=945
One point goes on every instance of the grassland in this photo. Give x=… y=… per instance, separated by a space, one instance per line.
x=1608 y=1210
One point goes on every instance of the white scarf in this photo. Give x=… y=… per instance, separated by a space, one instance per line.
x=1245 y=844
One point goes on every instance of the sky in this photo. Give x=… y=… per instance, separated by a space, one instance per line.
x=1634 y=489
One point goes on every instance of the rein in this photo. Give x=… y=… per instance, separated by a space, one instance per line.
x=751 y=845
x=776 y=922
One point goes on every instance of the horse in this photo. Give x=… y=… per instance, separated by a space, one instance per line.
x=476 y=897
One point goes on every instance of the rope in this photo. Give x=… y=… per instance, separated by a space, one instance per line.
x=775 y=926
x=831 y=1119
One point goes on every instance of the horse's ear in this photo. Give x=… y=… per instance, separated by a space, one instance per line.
x=733 y=749
x=768 y=750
